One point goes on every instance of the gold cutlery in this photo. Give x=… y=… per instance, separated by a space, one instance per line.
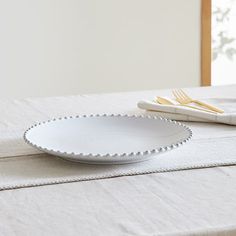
x=166 y=101
x=184 y=99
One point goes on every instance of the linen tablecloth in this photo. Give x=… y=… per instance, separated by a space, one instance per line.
x=193 y=202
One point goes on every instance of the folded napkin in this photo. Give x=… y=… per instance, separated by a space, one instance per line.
x=177 y=112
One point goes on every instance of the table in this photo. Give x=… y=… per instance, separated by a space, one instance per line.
x=191 y=202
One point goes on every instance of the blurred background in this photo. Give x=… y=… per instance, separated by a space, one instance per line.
x=63 y=47
x=223 y=42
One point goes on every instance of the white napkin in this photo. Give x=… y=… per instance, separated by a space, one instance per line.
x=182 y=113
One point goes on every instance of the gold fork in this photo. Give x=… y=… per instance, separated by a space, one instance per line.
x=165 y=101
x=183 y=98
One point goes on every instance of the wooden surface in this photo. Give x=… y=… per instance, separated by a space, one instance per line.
x=206 y=43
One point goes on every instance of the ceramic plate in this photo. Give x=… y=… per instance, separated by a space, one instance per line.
x=107 y=139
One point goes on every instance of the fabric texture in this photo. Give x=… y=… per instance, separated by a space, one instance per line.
x=43 y=169
x=187 y=114
x=28 y=167
x=191 y=202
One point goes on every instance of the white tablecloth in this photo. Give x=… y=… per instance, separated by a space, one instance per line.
x=191 y=202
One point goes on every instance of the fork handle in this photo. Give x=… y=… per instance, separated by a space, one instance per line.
x=197 y=108
x=213 y=108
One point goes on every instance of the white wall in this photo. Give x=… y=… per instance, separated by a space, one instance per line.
x=59 y=47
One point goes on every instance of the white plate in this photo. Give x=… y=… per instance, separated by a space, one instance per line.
x=107 y=139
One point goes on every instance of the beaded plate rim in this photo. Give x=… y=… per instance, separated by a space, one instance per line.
x=97 y=155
